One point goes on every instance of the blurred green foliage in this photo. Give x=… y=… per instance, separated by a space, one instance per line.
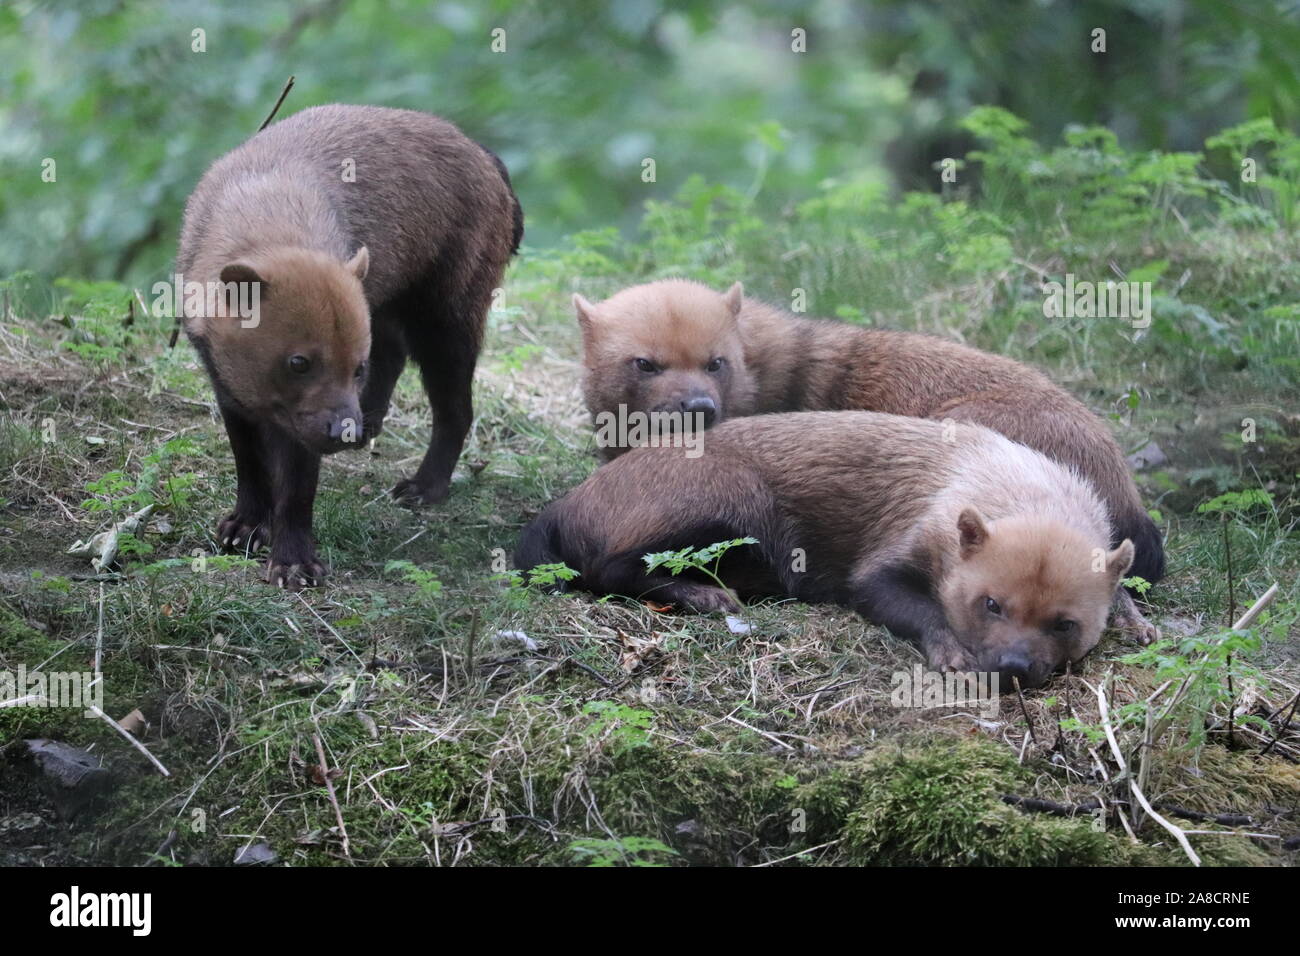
x=115 y=93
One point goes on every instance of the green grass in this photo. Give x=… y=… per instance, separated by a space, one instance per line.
x=458 y=743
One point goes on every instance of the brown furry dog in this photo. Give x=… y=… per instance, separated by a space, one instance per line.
x=360 y=236
x=676 y=345
x=988 y=554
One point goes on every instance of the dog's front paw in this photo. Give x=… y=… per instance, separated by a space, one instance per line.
x=1126 y=617
x=241 y=533
x=697 y=598
x=293 y=572
x=413 y=493
x=945 y=655
x=1145 y=632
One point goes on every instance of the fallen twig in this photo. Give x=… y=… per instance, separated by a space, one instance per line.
x=1132 y=783
x=1286 y=722
x=1015 y=682
x=329 y=787
x=125 y=733
x=820 y=846
x=1037 y=805
x=762 y=733
x=1226 y=819
x=99 y=633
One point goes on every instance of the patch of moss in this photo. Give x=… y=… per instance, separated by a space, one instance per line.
x=938 y=804
x=705 y=805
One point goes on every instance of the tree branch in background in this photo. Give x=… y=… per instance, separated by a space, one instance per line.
x=276 y=108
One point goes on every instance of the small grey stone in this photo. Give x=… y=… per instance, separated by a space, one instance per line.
x=1149 y=455
x=258 y=853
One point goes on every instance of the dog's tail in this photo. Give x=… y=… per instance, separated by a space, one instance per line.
x=516 y=210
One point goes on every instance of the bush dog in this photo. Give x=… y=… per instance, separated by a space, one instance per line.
x=366 y=235
x=986 y=553
x=677 y=345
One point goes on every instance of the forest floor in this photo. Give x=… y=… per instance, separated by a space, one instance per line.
x=463 y=720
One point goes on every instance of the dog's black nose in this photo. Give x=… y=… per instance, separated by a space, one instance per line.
x=343 y=429
x=1013 y=664
x=703 y=406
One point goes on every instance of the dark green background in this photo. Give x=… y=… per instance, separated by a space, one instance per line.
x=113 y=92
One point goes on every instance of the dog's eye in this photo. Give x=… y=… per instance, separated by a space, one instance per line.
x=645 y=365
x=361 y=370
x=992 y=606
x=716 y=364
x=299 y=363
x=1064 y=626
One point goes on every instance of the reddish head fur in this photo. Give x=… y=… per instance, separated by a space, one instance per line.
x=1028 y=594
x=671 y=346
x=300 y=362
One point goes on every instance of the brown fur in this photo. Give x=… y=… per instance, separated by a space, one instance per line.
x=314 y=306
x=355 y=275
x=910 y=521
x=777 y=362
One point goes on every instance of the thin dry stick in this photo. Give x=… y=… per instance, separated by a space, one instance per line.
x=1015 y=682
x=329 y=627
x=200 y=650
x=127 y=734
x=1286 y=722
x=1132 y=784
x=1264 y=601
x=329 y=786
x=22 y=701
x=276 y=108
x=469 y=647
x=811 y=849
x=99 y=633
x=762 y=733
x=1144 y=764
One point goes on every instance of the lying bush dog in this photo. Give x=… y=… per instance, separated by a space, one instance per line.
x=987 y=553
x=678 y=346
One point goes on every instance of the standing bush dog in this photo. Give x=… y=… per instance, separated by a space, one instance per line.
x=986 y=553
x=362 y=235
x=678 y=346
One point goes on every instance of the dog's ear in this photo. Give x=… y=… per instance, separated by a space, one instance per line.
x=735 y=298
x=359 y=264
x=1120 y=560
x=588 y=315
x=243 y=272
x=972 y=532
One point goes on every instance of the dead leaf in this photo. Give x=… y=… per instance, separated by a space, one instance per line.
x=318 y=778
x=134 y=722
x=637 y=650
